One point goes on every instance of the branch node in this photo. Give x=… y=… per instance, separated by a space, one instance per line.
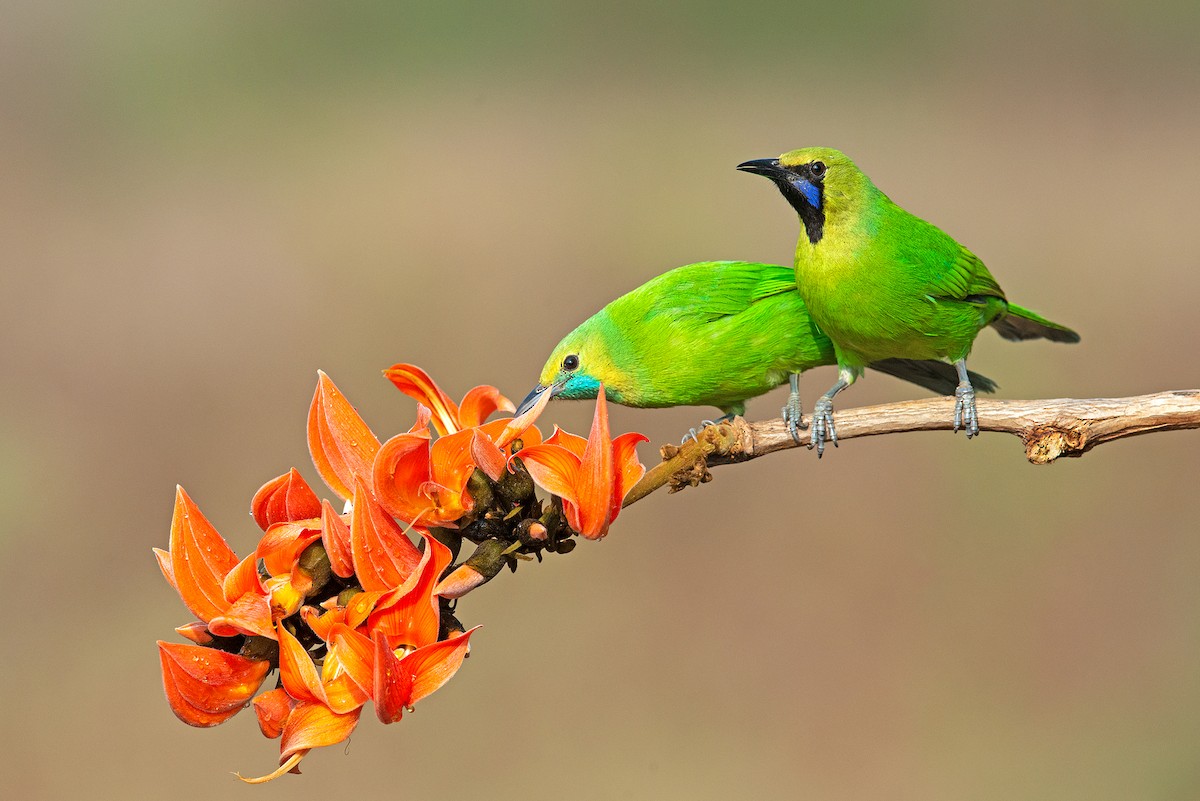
x=692 y=476
x=1044 y=444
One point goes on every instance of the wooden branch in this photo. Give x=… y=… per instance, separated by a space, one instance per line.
x=1049 y=429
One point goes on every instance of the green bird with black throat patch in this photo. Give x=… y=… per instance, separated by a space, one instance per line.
x=709 y=334
x=882 y=283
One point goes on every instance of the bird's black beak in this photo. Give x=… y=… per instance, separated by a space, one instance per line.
x=768 y=168
x=535 y=395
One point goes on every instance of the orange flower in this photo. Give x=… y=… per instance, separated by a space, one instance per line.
x=205 y=686
x=416 y=478
x=591 y=476
x=223 y=593
x=284 y=499
x=476 y=406
x=382 y=647
x=376 y=644
x=342 y=445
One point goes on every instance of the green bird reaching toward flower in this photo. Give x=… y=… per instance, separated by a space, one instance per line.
x=710 y=334
x=883 y=283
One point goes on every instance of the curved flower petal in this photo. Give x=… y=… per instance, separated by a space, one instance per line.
x=296 y=669
x=196 y=632
x=205 y=686
x=283 y=499
x=401 y=682
x=200 y=559
x=401 y=467
x=242 y=579
x=392 y=684
x=322 y=623
x=565 y=439
x=280 y=547
x=383 y=556
x=313 y=725
x=416 y=384
x=518 y=427
x=335 y=536
x=250 y=614
x=596 y=479
x=629 y=468
x=487 y=456
x=479 y=403
x=310 y=725
x=435 y=664
x=164 y=564
x=553 y=468
x=411 y=614
x=272 y=709
x=348 y=669
x=341 y=444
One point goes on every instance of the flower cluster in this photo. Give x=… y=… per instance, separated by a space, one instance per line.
x=347 y=606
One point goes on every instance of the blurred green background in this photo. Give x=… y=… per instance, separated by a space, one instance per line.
x=202 y=204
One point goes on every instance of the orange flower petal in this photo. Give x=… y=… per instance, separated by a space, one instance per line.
x=322 y=624
x=205 y=686
x=200 y=559
x=401 y=467
x=565 y=439
x=411 y=614
x=242 y=579
x=196 y=632
x=416 y=384
x=272 y=709
x=450 y=460
x=250 y=614
x=282 y=499
x=435 y=664
x=341 y=444
x=629 y=468
x=518 y=426
x=596 y=479
x=282 y=544
x=348 y=669
x=383 y=556
x=479 y=403
x=361 y=606
x=312 y=725
x=296 y=669
x=335 y=536
x=553 y=468
x=487 y=456
x=164 y=564
x=503 y=432
x=393 y=684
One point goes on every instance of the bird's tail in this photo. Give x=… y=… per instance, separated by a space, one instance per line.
x=1021 y=324
x=938 y=377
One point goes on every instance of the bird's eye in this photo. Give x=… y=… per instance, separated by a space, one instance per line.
x=571 y=362
x=817 y=168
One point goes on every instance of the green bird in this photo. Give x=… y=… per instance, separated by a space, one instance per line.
x=883 y=283
x=710 y=334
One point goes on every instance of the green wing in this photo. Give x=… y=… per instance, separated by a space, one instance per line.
x=966 y=279
x=709 y=291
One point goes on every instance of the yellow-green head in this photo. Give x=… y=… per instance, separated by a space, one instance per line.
x=581 y=363
x=820 y=183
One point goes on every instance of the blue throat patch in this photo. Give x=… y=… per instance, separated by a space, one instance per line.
x=811 y=193
x=580 y=387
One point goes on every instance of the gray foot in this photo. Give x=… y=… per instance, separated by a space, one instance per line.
x=822 y=426
x=965 y=415
x=793 y=417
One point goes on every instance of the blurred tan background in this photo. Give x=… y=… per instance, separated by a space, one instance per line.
x=202 y=204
